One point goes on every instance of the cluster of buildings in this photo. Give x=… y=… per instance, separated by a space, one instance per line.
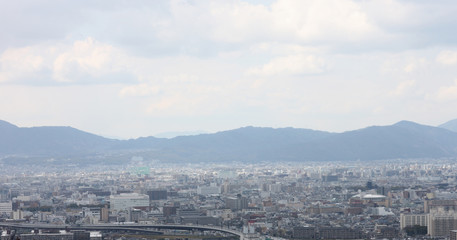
x=389 y=199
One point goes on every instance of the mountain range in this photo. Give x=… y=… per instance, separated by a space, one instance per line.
x=403 y=140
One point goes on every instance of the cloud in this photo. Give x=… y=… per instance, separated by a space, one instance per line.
x=86 y=58
x=447 y=57
x=403 y=87
x=206 y=28
x=183 y=65
x=20 y=63
x=415 y=64
x=290 y=65
x=448 y=93
x=82 y=62
x=239 y=24
x=319 y=20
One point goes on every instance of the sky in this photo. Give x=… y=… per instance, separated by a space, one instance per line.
x=126 y=69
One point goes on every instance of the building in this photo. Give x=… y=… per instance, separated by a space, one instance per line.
x=304 y=233
x=236 y=203
x=445 y=205
x=125 y=201
x=61 y=235
x=134 y=215
x=6 y=207
x=325 y=209
x=413 y=219
x=329 y=178
x=326 y=233
x=169 y=211
x=225 y=214
x=208 y=190
x=157 y=194
x=371 y=200
x=104 y=214
x=339 y=233
x=453 y=235
x=441 y=223
x=275 y=188
x=385 y=232
x=81 y=235
x=18 y=215
x=354 y=210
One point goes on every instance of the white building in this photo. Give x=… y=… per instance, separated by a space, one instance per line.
x=124 y=201
x=6 y=207
x=18 y=214
x=407 y=220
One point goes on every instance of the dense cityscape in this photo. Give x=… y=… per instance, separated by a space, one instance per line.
x=228 y=120
x=347 y=200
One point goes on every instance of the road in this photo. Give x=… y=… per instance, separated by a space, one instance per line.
x=145 y=228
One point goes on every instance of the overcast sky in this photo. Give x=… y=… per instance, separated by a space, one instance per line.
x=126 y=69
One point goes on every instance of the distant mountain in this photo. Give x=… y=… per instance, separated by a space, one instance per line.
x=450 y=125
x=49 y=141
x=249 y=144
x=401 y=140
x=243 y=144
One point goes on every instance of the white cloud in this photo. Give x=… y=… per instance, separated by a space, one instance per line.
x=290 y=65
x=403 y=88
x=447 y=57
x=81 y=62
x=20 y=63
x=85 y=56
x=214 y=65
x=293 y=21
x=319 y=20
x=448 y=93
x=415 y=64
x=208 y=27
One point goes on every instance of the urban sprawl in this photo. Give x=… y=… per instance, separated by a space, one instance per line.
x=393 y=199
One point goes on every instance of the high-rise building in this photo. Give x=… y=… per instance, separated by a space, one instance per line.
x=407 y=220
x=104 y=214
x=441 y=223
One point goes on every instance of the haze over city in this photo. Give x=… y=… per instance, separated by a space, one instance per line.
x=228 y=120
x=126 y=69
